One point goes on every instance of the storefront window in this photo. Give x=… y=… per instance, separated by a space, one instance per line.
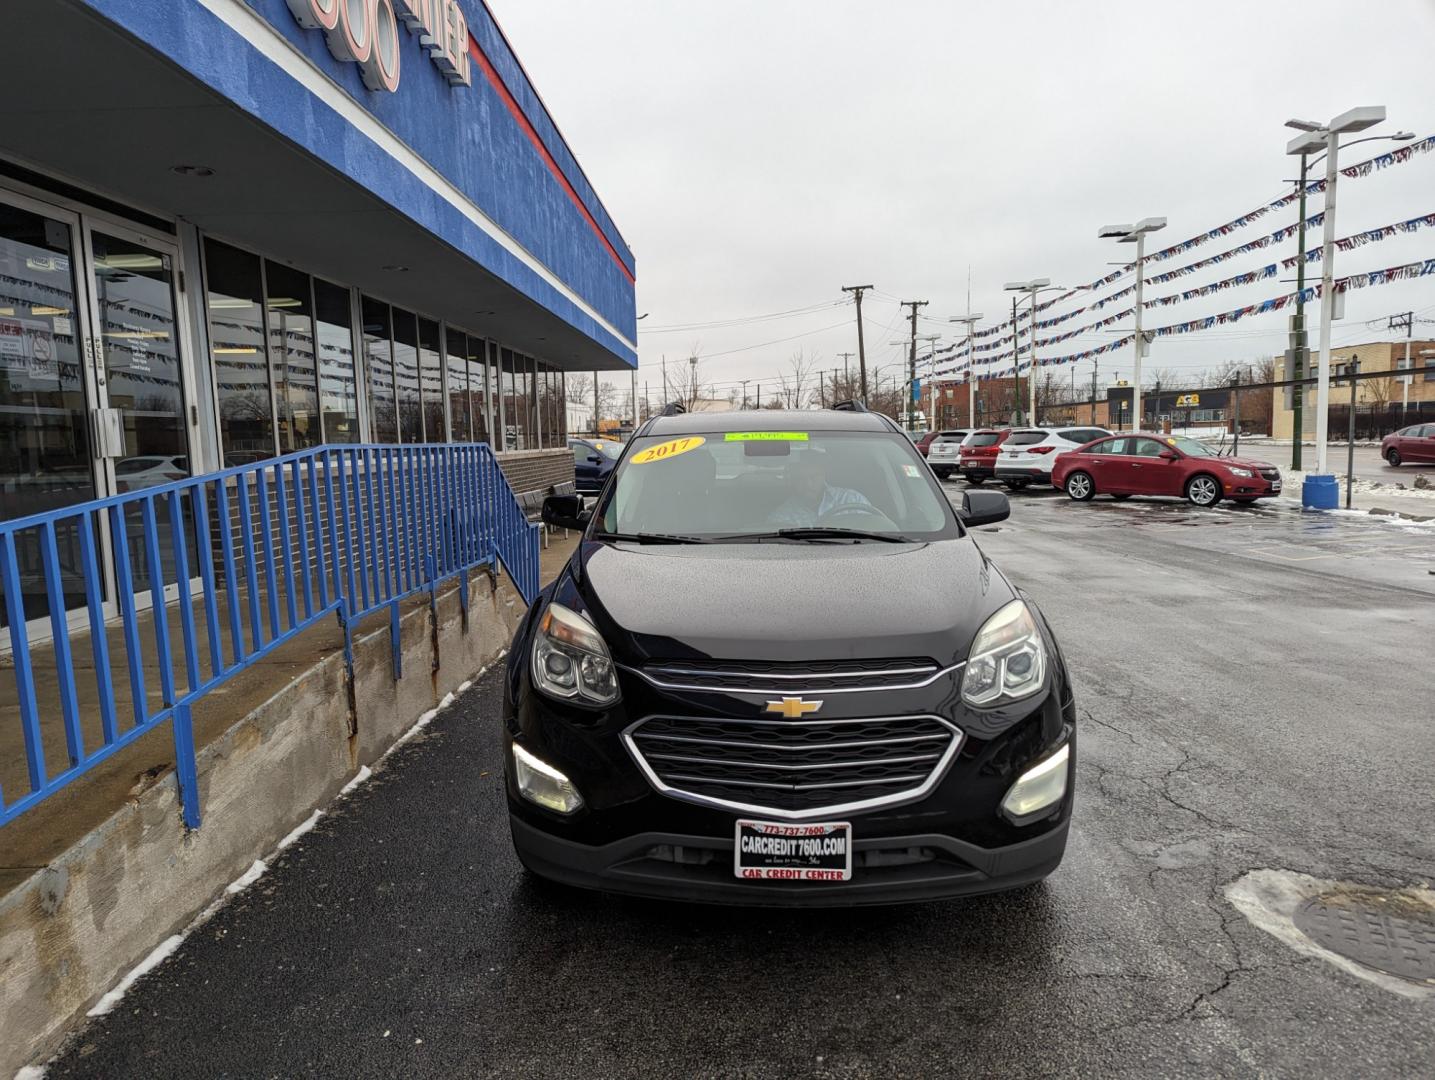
x=528 y=389
x=379 y=370
x=406 y=377
x=431 y=380
x=498 y=432
x=456 y=343
x=478 y=387
x=338 y=394
x=236 y=334
x=515 y=413
x=291 y=356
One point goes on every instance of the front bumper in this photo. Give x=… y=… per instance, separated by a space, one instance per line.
x=626 y=835
x=648 y=864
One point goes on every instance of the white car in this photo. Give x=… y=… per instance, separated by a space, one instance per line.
x=1027 y=455
x=944 y=454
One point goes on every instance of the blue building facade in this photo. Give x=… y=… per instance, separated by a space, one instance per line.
x=236 y=228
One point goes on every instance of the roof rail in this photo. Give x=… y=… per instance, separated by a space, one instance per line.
x=852 y=405
x=673 y=408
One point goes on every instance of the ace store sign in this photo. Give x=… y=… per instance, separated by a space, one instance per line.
x=366 y=32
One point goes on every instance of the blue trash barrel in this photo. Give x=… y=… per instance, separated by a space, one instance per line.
x=1320 y=493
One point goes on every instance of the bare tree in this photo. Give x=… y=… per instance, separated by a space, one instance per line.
x=796 y=385
x=685 y=381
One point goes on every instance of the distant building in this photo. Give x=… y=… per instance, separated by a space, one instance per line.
x=1383 y=404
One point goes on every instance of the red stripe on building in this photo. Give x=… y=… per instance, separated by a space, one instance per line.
x=522 y=118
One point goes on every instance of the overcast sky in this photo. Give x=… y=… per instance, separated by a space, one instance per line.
x=757 y=156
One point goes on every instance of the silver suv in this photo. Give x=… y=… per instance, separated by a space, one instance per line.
x=1027 y=455
x=944 y=454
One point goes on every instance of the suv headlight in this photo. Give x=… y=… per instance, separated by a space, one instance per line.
x=1008 y=659
x=571 y=660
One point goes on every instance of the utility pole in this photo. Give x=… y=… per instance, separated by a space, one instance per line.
x=665 y=380
x=1408 y=321
x=857 y=291
x=647 y=407
x=1352 y=368
x=744 y=392
x=912 y=358
x=846 y=376
x=1095 y=364
x=596 y=430
x=759 y=396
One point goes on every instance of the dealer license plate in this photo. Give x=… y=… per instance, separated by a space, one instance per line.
x=783 y=851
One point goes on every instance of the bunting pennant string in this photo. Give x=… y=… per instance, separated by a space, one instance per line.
x=1370 y=236
x=1404 y=272
x=1391 y=157
x=1215 y=286
x=1360 y=169
x=1251 y=245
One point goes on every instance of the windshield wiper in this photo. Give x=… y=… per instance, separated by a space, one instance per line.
x=821 y=532
x=650 y=538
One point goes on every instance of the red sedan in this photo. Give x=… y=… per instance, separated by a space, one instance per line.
x=1145 y=464
x=1410 y=444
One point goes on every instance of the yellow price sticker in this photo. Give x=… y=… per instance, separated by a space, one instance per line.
x=670 y=449
x=766 y=436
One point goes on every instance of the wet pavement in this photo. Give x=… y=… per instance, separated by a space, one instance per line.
x=1254 y=691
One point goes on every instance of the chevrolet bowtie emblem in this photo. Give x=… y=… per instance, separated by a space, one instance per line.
x=793 y=707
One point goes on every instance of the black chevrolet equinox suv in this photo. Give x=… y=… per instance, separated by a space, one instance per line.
x=779 y=670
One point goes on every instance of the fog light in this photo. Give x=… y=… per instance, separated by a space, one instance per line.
x=541 y=783
x=1039 y=787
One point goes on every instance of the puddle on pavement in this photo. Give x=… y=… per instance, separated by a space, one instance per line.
x=1384 y=936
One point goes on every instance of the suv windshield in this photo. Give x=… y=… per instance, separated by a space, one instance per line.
x=732 y=485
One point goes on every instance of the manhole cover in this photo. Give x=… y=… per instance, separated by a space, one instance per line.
x=1390 y=932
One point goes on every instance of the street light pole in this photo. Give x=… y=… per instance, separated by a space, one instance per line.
x=971 y=320
x=1313 y=138
x=1135 y=234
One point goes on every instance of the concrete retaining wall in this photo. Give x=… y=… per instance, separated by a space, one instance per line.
x=74 y=928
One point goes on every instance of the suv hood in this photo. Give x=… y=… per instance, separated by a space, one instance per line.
x=784 y=601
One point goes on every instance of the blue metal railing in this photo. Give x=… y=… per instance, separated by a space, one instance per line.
x=247 y=558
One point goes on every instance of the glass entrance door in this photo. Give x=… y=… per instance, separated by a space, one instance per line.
x=46 y=458
x=141 y=377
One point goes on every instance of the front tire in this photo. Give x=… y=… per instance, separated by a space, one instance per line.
x=1393 y=457
x=1080 y=486
x=1203 y=490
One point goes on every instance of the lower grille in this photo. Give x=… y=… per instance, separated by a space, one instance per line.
x=794 y=768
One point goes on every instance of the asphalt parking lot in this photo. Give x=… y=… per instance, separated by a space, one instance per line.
x=1254 y=694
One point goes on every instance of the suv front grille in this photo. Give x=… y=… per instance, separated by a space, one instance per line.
x=777 y=677
x=794 y=768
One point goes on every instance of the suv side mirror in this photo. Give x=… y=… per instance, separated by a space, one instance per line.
x=565 y=511
x=983 y=508
x=1168 y=455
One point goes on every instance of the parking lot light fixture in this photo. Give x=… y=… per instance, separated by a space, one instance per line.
x=1311 y=140
x=1135 y=234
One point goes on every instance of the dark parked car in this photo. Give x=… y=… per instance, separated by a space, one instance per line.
x=593 y=460
x=779 y=670
x=1148 y=464
x=1412 y=444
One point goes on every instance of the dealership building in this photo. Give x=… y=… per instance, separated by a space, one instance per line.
x=231 y=229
